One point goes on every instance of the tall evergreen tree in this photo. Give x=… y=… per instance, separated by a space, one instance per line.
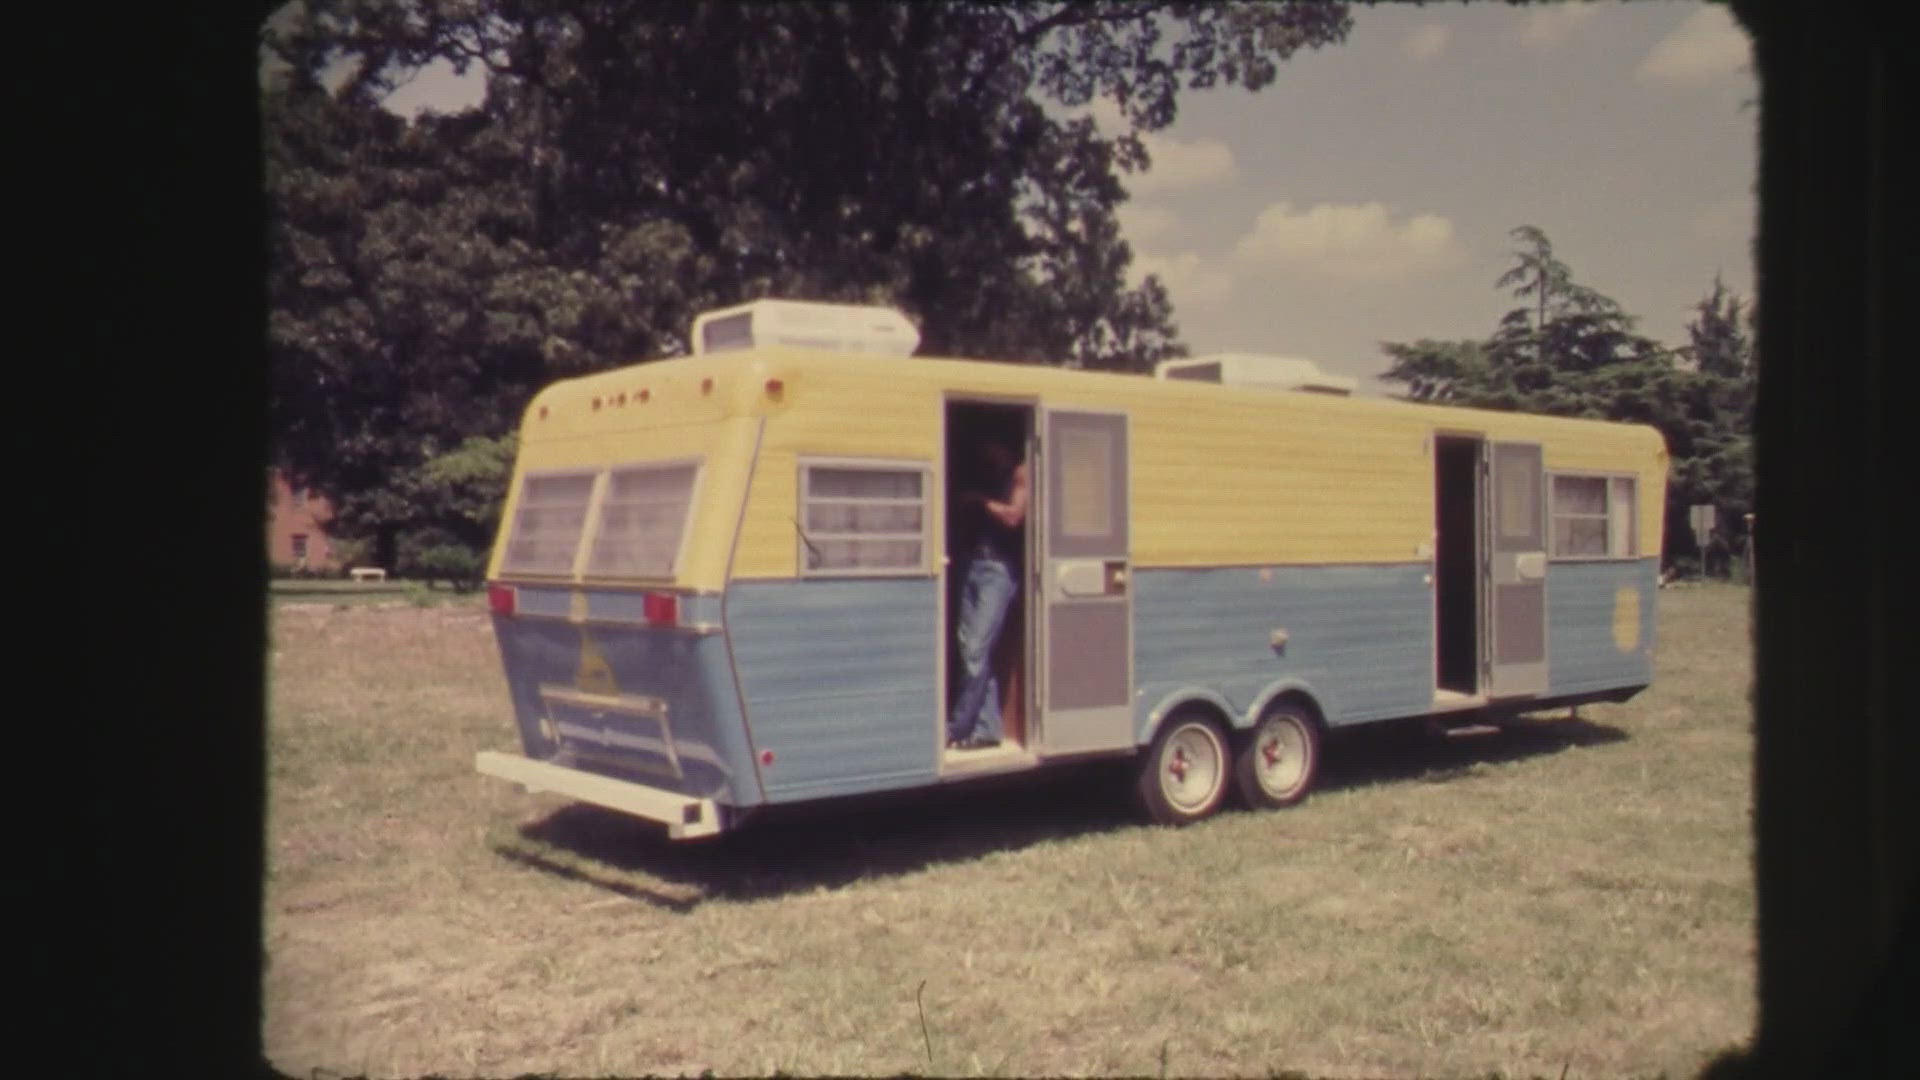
x=1720 y=404
x=1572 y=351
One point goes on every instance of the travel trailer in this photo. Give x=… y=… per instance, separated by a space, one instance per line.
x=729 y=580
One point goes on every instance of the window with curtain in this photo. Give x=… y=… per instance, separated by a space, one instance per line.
x=1593 y=517
x=863 y=519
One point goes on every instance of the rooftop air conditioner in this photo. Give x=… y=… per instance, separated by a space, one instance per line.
x=803 y=325
x=1266 y=372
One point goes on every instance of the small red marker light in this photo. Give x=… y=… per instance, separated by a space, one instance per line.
x=706 y=386
x=662 y=609
x=774 y=386
x=543 y=412
x=596 y=403
x=645 y=394
x=766 y=757
x=502 y=599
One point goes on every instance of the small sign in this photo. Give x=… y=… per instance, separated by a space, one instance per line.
x=1700 y=516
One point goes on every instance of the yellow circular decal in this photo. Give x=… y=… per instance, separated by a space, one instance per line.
x=1626 y=618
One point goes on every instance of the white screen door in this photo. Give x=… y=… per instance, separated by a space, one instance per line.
x=1084 y=585
x=1517 y=570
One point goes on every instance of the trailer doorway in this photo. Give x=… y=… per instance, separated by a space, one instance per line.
x=970 y=426
x=1458 y=641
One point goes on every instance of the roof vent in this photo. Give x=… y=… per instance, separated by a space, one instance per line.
x=802 y=325
x=1265 y=372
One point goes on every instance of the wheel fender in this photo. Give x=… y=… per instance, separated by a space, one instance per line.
x=1186 y=695
x=1287 y=684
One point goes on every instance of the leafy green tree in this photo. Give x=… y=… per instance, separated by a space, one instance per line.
x=405 y=314
x=452 y=512
x=632 y=165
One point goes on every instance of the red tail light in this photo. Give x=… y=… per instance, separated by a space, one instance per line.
x=662 y=609
x=501 y=599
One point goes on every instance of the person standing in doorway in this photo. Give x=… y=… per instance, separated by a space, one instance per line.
x=997 y=509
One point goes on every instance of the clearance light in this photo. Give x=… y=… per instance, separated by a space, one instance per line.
x=645 y=394
x=662 y=609
x=706 y=386
x=502 y=599
x=774 y=386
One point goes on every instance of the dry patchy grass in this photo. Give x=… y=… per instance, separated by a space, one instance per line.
x=1572 y=894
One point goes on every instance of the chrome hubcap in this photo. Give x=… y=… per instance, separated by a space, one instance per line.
x=1193 y=769
x=1283 y=757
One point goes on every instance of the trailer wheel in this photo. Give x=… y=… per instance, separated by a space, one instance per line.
x=1183 y=778
x=1280 y=759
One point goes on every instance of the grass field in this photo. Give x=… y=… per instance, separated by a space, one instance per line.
x=1573 y=897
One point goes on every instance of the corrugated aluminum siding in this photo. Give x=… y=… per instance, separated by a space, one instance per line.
x=840 y=679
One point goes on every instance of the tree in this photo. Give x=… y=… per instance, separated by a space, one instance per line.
x=452 y=512
x=1441 y=372
x=634 y=164
x=405 y=314
x=1723 y=388
x=1572 y=351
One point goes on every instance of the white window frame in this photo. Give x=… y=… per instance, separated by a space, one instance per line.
x=596 y=477
x=802 y=498
x=596 y=516
x=1632 y=510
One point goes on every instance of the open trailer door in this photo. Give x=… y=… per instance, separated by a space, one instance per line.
x=1516 y=570
x=1084 y=585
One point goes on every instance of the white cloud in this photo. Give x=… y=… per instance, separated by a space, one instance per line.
x=1349 y=240
x=1709 y=44
x=1426 y=42
x=1553 y=24
x=1138 y=222
x=1182 y=164
x=1178 y=164
x=1191 y=281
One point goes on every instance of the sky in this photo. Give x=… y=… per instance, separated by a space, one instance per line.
x=1368 y=193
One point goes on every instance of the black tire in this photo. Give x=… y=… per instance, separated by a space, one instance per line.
x=1278 y=760
x=1183 y=776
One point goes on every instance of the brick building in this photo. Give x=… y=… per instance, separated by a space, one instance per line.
x=296 y=533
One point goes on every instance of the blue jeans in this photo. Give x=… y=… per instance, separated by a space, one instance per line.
x=984 y=601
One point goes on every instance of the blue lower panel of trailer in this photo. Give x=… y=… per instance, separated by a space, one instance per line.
x=1600 y=625
x=841 y=682
x=1360 y=637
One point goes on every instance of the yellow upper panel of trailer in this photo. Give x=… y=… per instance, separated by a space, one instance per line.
x=1221 y=475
